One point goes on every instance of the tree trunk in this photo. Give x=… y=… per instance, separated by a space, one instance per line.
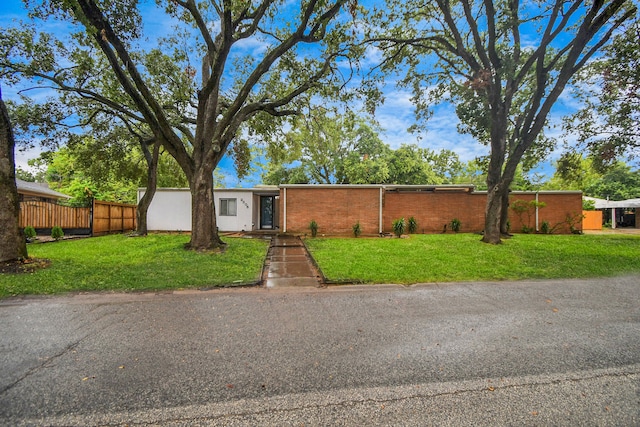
x=493 y=216
x=504 y=214
x=142 y=210
x=152 y=185
x=12 y=242
x=204 y=229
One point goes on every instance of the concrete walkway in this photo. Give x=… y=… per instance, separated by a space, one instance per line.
x=289 y=264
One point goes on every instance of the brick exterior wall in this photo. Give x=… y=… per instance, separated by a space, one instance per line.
x=558 y=207
x=434 y=210
x=337 y=209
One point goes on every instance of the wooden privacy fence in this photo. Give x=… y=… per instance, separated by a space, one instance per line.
x=101 y=218
x=592 y=220
x=46 y=215
x=111 y=217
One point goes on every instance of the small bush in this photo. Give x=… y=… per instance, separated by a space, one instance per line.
x=526 y=230
x=29 y=233
x=398 y=227
x=588 y=205
x=357 y=230
x=313 y=225
x=455 y=225
x=545 y=228
x=57 y=233
x=574 y=221
x=412 y=225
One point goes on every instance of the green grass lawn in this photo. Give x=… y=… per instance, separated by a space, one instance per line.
x=117 y=262
x=462 y=257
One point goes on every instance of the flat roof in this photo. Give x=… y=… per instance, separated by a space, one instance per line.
x=468 y=187
x=610 y=204
x=259 y=189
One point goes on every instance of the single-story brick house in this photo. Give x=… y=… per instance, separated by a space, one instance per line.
x=336 y=208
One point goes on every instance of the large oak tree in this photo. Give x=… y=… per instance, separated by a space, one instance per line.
x=254 y=60
x=504 y=64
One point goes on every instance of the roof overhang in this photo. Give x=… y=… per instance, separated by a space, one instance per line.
x=33 y=189
x=387 y=187
x=614 y=204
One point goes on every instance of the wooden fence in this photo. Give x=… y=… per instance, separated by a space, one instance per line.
x=101 y=218
x=111 y=217
x=592 y=220
x=45 y=215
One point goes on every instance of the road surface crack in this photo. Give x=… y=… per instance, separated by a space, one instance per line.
x=42 y=365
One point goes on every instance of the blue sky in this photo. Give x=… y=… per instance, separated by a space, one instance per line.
x=395 y=116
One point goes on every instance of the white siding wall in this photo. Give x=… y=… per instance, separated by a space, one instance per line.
x=170 y=210
x=244 y=209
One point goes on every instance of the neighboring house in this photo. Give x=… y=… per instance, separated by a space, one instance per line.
x=237 y=209
x=336 y=208
x=33 y=191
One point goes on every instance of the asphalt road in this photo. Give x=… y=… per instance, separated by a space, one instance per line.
x=524 y=353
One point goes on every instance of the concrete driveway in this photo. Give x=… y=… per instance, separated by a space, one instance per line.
x=525 y=353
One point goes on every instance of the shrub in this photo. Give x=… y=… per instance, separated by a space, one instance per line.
x=313 y=225
x=455 y=224
x=545 y=228
x=524 y=210
x=574 y=221
x=398 y=227
x=57 y=233
x=29 y=233
x=357 y=230
x=588 y=205
x=412 y=225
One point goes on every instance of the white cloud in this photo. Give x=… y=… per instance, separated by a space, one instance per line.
x=252 y=45
x=396 y=116
x=22 y=157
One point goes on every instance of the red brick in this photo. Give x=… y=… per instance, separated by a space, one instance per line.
x=337 y=209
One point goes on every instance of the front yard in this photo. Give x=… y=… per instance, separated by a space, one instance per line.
x=120 y=263
x=159 y=262
x=462 y=257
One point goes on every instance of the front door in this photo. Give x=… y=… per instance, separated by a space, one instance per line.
x=266 y=212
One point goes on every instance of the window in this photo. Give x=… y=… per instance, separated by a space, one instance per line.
x=228 y=207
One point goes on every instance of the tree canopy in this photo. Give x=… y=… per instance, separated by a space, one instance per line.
x=474 y=54
x=224 y=64
x=619 y=182
x=328 y=148
x=608 y=124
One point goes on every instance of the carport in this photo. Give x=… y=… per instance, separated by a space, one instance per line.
x=621 y=212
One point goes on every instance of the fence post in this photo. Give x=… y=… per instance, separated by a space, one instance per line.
x=93 y=204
